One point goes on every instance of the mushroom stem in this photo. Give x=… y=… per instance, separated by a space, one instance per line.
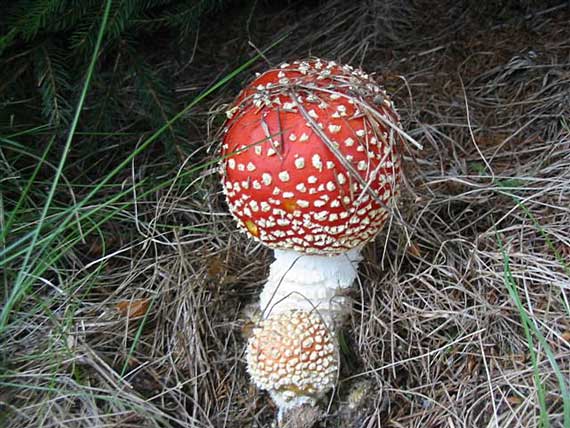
x=293 y=352
x=310 y=283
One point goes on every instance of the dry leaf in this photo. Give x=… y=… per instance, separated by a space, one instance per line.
x=514 y=400
x=247 y=329
x=215 y=267
x=472 y=364
x=132 y=308
x=414 y=250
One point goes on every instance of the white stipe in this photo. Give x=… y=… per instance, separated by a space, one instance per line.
x=309 y=282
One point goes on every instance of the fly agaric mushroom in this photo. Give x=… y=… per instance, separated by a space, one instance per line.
x=310 y=169
x=293 y=355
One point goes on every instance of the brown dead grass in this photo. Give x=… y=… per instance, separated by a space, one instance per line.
x=435 y=340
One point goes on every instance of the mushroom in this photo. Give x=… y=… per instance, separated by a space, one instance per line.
x=293 y=355
x=310 y=169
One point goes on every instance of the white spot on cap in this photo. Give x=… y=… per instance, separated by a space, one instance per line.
x=250 y=166
x=292 y=137
x=284 y=176
x=361 y=133
x=320 y=216
x=349 y=142
x=312 y=179
x=331 y=187
x=302 y=203
x=313 y=114
x=301 y=187
x=300 y=163
x=341 y=178
x=304 y=137
x=266 y=177
x=231 y=163
x=317 y=163
x=334 y=129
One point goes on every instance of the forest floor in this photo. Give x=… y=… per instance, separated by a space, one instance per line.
x=462 y=309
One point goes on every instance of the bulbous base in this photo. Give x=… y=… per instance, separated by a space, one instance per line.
x=294 y=356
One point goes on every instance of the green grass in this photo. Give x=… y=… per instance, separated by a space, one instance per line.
x=528 y=323
x=22 y=282
x=506 y=186
x=530 y=329
x=40 y=234
x=69 y=222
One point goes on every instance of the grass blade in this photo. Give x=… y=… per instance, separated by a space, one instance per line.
x=18 y=289
x=529 y=326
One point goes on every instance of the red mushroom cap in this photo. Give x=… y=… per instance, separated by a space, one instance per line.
x=309 y=157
